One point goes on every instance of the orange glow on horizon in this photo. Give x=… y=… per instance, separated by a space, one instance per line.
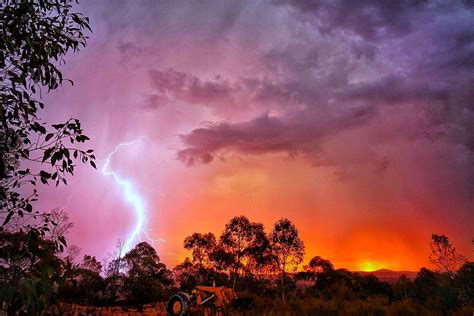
x=356 y=225
x=370 y=266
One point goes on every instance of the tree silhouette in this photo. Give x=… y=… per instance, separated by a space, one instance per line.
x=202 y=246
x=34 y=39
x=287 y=247
x=114 y=275
x=91 y=263
x=83 y=283
x=465 y=283
x=318 y=264
x=444 y=255
x=240 y=244
x=186 y=275
x=147 y=277
x=30 y=271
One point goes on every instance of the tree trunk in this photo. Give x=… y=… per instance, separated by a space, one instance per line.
x=283 y=286
x=236 y=272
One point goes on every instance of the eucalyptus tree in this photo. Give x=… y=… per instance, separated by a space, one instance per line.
x=241 y=245
x=35 y=37
x=287 y=247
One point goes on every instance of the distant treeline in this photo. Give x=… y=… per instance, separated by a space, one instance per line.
x=35 y=275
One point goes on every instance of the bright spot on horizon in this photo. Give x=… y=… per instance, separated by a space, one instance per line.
x=370 y=266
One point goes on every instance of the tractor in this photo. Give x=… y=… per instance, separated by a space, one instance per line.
x=211 y=301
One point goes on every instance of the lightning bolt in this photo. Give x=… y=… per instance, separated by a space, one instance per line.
x=133 y=197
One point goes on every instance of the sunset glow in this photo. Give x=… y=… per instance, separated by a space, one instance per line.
x=354 y=122
x=369 y=266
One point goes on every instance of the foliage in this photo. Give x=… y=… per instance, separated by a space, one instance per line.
x=341 y=292
x=90 y=263
x=147 y=277
x=135 y=279
x=241 y=245
x=319 y=288
x=202 y=246
x=34 y=39
x=318 y=264
x=444 y=255
x=188 y=275
x=287 y=248
x=464 y=281
x=83 y=283
x=139 y=277
x=30 y=270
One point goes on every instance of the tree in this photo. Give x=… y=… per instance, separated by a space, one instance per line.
x=318 y=264
x=83 y=283
x=185 y=275
x=60 y=226
x=444 y=255
x=435 y=290
x=201 y=246
x=188 y=275
x=241 y=243
x=34 y=39
x=62 y=223
x=402 y=287
x=114 y=275
x=91 y=263
x=465 y=283
x=315 y=267
x=287 y=247
x=147 y=277
x=30 y=272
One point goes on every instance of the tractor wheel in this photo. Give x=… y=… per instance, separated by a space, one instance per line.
x=210 y=309
x=178 y=305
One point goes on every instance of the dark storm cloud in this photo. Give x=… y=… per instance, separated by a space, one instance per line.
x=221 y=93
x=205 y=19
x=286 y=77
x=392 y=89
x=370 y=19
x=428 y=51
x=182 y=86
x=301 y=133
x=337 y=57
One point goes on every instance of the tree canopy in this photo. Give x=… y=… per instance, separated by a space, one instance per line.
x=444 y=255
x=35 y=38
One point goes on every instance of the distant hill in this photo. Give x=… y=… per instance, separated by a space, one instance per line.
x=389 y=275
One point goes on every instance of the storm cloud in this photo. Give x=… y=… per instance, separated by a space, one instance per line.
x=357 y=114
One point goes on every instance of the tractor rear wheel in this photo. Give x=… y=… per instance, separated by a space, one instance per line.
x=178 y=305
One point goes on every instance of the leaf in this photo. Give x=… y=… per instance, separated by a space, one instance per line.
x=7 y=219
x=56 y=156
x=62 y=240
x=49 y=136
x=45 y=174
x=93 y=164
x=47 y=154
x=58 y=126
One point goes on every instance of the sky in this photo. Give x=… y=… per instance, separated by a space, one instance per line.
x=354 y=119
